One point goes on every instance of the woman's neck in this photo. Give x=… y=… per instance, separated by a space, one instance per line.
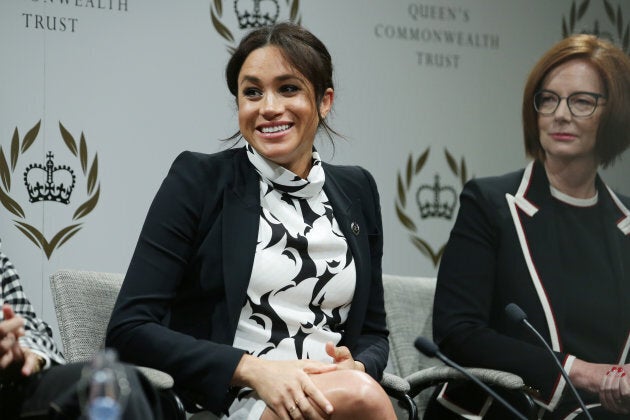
x=575 y=179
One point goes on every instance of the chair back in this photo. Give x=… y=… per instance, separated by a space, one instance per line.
x=409 y=314
x=83 y=301
x=409 y=308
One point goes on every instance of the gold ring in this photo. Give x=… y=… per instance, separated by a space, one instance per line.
x=291 y=409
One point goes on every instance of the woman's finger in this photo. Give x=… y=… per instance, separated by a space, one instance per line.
x=604 y=390
x=6 y=359
x=294 y=412
x=309 y=409
x=314 y=397
x=7 y=344
x=610 y=392
x=11 y=326
x=31 y=363
x=313 y=369
x=624 y=391
x=338 y=353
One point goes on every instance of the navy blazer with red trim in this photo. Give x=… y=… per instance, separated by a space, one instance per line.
x=503 y=249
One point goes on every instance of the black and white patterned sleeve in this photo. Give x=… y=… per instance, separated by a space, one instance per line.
x=38 y=335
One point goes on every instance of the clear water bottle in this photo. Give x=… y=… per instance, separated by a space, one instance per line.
x=107 y=387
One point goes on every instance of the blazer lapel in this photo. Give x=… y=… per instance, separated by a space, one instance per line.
x=617 y=232
x=620 y=211
x=343 y=209
x=530 y=211
x=353 y=226
x=241 y=217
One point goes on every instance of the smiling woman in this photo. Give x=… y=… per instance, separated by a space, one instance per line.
x=277 y=112
x=265 y=260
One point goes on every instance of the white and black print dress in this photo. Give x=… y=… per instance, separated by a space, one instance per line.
x=303 y=277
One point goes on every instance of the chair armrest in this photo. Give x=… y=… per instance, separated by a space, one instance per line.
x=428 y=377
x=172 y=406
x=160 y=380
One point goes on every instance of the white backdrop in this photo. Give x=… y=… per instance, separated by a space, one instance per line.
x=142 y=80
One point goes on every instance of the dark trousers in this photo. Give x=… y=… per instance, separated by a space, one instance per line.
x=54 y=394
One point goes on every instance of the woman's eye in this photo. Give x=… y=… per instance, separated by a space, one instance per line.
x=584 y=100
x=544 y=99
x=289 y=88
x=251 y=92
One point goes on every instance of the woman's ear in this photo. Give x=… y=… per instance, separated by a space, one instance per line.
x=326 y=103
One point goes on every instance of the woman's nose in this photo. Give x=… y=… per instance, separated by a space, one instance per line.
x=563 y=111
x=271 y=106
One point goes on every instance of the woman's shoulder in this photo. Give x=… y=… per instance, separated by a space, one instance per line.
x=507 y=183
x=195 y=174
x=188 y=157
x=205 y=164
x=624 y=198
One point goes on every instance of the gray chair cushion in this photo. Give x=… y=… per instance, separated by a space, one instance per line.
x=409 y=307
x=84 y=301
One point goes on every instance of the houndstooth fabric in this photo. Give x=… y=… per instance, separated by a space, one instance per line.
x=38 y=335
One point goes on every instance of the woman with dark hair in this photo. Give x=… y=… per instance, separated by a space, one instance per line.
x=552 y=238
x=256 y=281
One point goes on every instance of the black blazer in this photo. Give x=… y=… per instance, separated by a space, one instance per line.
x=503 y=249
x=180 y=302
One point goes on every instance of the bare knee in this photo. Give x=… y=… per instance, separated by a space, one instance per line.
x=357 y=395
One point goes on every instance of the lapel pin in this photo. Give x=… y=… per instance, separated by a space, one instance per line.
x=355 y=228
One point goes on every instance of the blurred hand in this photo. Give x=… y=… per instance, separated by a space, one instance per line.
x=286 y=386
x=12 y=356
x=32 y=362
x=11 y=329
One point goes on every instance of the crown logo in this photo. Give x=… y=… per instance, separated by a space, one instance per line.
x=250 y=14
x=49 y=182
x=436 y=201
x=255 y=17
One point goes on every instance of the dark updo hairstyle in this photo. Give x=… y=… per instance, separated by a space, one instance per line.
x=613 y=67
x=302 y=50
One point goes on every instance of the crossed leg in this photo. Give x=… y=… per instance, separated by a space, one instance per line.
x=353 y=395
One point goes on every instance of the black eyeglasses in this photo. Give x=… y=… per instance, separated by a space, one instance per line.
x=581 y=104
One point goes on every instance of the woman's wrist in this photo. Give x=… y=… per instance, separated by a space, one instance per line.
x=588 y=376
x=244 y=371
